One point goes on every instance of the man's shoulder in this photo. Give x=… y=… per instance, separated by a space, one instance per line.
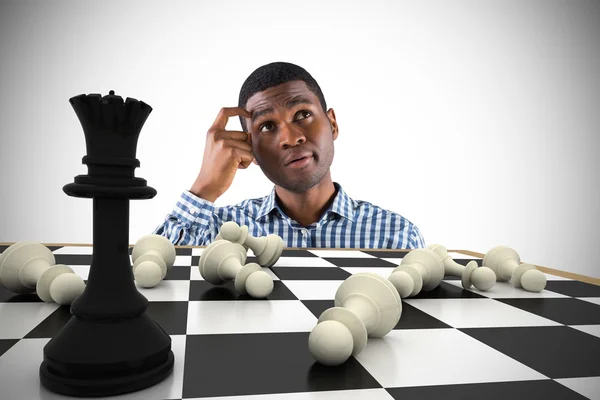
x=367 y=210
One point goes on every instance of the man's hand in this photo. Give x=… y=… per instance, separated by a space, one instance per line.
x=225 y=152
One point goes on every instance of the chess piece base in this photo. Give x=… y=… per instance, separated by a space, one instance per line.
x=116 y=357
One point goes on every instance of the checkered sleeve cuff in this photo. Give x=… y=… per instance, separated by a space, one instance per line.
x=193 y=210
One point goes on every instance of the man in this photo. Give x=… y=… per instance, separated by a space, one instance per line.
x=289 y=133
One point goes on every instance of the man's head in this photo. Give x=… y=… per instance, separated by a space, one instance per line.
x=289 y=120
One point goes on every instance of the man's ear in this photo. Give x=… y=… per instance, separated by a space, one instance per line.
x=333 y=122
x=249 y=140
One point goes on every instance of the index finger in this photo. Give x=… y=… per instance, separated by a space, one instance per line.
x=226 y=113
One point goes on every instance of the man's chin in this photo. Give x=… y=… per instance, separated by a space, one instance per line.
x=299 y=186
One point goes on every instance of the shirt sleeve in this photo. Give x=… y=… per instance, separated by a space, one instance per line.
x=415 y=240
x=190 y=223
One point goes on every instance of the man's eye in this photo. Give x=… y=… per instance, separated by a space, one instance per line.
x=266 y=124
x=305 y=114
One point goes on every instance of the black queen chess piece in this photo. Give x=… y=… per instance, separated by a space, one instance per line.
x=110 y=345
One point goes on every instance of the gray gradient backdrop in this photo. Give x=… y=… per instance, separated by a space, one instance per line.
x=477 y=120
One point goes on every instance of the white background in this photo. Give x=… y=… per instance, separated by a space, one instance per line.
x=476 y=120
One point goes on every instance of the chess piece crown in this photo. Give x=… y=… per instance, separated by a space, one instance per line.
x=111 y=127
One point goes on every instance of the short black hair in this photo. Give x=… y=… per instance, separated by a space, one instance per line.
x=274 y=74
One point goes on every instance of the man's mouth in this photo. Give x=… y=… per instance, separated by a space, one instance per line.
x=300 y=162
x=297 y=157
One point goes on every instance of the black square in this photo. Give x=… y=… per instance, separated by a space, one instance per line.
x=170 y=315
x=6 y=296
x=355 y=262
x=52 y=324
x=447 y=291
x=183 y=251
x=317 y=307
x=177 y=273
x=6 y=344
x=566 y=311
x=205 y=291
x=310 y=273
x=195 y=261
x=297 y=253
x=542 y=389
x=555 y=351
x=573 y=288
x=413 y=318
x=264 y=363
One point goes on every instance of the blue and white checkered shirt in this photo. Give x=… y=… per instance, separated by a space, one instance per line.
x=347 y=223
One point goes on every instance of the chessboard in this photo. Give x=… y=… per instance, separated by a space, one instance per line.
x=450 y=343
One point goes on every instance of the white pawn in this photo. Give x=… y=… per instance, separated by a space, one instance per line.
x=152 y=255
x=223 y=260
x=366 y=305
x=267 y=249
x=420 y=269
x=482 y=278
x=506 y=264
x=27 y=267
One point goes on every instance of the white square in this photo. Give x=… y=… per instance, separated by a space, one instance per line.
x=197 y=251
x=82 y=270
x=18 y=319
x=588 y=387
x=302 y=262
x=75 y=250
x=313 y=290
x=183 y=261
x=341 y=253
x=423 y=357
x=478 y=313
x=171 y=290
x=261 y=316
x=505 y=290
x=19 y=373
x=589 y=329
x=594 y=300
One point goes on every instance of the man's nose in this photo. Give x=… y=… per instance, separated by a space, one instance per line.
x=290 y=135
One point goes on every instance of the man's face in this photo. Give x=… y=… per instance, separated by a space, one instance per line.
x=288 y=122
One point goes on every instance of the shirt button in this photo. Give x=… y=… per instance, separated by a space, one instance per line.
x=192 y=210
x=304 y=231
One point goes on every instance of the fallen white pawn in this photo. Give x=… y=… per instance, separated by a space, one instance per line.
x=152 y=255
x=506 y=264
x=483 y=278
x=27 y=267
x=420 y=269
x=267 y=249
x=366 y=305
x=223 y=260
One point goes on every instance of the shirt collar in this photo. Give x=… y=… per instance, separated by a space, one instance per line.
x=342 y=205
